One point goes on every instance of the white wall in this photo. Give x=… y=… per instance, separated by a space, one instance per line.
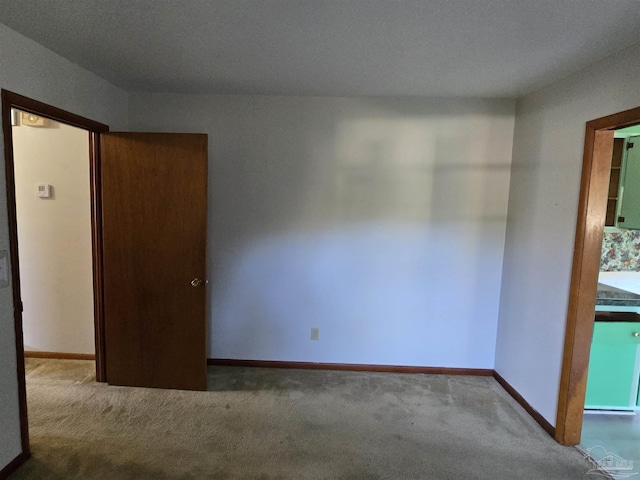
x=31 y=70
x=379 y=221
x=543 y=205
x=54 y=237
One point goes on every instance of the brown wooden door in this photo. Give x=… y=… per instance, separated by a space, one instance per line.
x=154 y=204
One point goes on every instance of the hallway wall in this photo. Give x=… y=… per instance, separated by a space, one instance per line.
x=54 y=237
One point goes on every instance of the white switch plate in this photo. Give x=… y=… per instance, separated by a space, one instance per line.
x=4 y=268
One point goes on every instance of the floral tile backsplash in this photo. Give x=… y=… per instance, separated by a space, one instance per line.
x=620 y=251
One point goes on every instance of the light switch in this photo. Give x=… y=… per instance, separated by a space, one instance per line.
x=4 y=268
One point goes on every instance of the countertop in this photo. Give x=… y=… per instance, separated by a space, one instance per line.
x=616 y=297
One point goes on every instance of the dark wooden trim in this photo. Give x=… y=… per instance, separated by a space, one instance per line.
x=614 y=121
x=13 y=465
x=15 y=270
x=59 y=355
x=594 y=185
x=594 y=189
x=44 y=110
x=95 y=178
x=13 y=100
x=353 y=367
x=520 y=399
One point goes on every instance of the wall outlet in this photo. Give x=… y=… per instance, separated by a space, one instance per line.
x=315 y=333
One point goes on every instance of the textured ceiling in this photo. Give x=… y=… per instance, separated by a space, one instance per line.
x=475 y=48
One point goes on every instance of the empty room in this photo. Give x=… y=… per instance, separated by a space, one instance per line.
x=323 y=239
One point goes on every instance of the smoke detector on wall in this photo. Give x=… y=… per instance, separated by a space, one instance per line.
x=31 y=120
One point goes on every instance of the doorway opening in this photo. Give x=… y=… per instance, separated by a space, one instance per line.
x=53 y=214
x=592 y=212
x=10 y=102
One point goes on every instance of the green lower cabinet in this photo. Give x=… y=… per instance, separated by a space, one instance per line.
x=612 y=382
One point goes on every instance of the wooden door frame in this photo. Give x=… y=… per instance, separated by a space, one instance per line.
x=594 y=187
x=13 y=100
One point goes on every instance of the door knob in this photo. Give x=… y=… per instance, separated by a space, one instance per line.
x=196 y=282
x=636 y=334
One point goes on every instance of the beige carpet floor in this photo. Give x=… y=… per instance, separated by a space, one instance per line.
x=267 y=424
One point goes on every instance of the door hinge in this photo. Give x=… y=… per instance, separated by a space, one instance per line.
x=621 y=219
x=629 y=145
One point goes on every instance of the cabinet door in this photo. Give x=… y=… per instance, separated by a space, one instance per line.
x=630 y=191
x=612 y=381
x=614 y=182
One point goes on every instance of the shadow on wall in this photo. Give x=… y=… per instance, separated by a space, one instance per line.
x=384 y=232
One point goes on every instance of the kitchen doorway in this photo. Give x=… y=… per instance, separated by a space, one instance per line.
x=594 y=193
x=611 y=428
